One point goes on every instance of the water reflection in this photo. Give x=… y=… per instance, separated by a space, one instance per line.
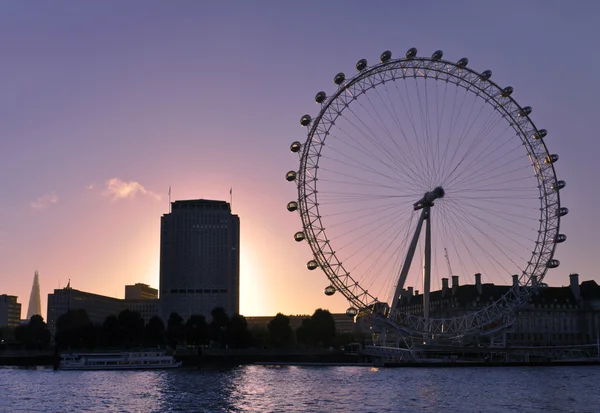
x=304 y=389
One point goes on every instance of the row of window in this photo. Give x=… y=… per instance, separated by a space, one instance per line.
x=199 y=291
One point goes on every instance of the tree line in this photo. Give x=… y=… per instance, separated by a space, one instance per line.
x=75 y=330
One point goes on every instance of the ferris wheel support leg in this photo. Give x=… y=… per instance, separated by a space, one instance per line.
x=427 y=264
x=406 y=266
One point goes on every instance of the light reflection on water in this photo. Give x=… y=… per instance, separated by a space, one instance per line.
x=260 y=389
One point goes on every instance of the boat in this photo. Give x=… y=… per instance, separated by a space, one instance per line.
x=130 y=360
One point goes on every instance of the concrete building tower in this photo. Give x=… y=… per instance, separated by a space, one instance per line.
x=35 y=303
x=199 y=259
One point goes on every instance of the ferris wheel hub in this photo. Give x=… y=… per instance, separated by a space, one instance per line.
x=429 y=197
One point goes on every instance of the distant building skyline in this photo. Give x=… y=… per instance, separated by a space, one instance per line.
x=199 y=258
x=35 y=301
x=140 y=291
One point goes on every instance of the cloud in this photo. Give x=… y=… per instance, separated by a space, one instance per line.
x=118 y=189
x=44 y=201
x=89 y=187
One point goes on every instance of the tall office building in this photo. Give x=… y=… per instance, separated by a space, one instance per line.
x=140 y=291
x=35 y=302
x=199 y=259
x=10 y=311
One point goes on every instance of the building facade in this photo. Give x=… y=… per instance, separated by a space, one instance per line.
x=10 y=311
x=97 y=307
x=199 y=259
x=140 y=291
x=35 y=302
x=554 y=316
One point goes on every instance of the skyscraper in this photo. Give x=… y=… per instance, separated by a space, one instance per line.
x=35 y=303
x=199 y=259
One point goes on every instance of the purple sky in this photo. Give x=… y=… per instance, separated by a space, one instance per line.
x=106 y=104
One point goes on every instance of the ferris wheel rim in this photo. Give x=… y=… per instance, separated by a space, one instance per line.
x=471 y=80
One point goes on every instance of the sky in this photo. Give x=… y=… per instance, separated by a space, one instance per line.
x=105 y=105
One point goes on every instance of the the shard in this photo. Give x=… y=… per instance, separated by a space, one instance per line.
x=35 y=304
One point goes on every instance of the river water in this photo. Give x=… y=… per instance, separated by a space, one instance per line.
x=282 y=389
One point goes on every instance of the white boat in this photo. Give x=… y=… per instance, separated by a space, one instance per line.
x=131 y=360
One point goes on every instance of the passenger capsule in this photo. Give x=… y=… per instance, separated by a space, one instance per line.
x=320 y=97
x=486 y=75
x=312 y=265
x=540 y=134
x=290 y=176
x=562 y=211
x=463 y=62
x=412 y=52
x=351 y=312
x=305 y=120
x=299 y=236
x=507 y=91
x=551 y=159
x=553 y=263
x=361 y=65
x=558 y=185
x=385 y=56
x=339 y=78
x=292 y=206
x=560 y=238
x=437 y=55
x=329 y=290
x=295 y=146
x=525 y=111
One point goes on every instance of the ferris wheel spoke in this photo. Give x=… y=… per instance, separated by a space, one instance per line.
x=494 y=241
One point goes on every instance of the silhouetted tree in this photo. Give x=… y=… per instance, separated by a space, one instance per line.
x=239 y=336
x=37 y=332
x=219 y=326
x=175 y=330
x=74 y=329
x=196 y=330
x=280 y=332
x=110 y=332
x=305 y=334
x=155 y=332
x=131 y=326
x=259 y=337
x=323 y=327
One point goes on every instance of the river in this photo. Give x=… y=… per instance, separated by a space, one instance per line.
x=261 y=389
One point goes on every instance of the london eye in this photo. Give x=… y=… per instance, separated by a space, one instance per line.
x=417 y=168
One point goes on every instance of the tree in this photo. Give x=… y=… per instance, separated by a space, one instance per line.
x=110 y=332
x=154 y=333
x=75 y=329
x=304 y=333
x=280 y=332
x=239 y=336
x=219 y=326
x=37 y=332
x=131 y=326
x=196 y=330
x=323 y=327
x=175 y=330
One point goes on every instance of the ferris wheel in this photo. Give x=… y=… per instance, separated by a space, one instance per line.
x=417 y=142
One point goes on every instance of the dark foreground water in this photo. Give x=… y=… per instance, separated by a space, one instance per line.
x=305 y=389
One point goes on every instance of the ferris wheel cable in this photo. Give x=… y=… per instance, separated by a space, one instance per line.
x=462 y=229
x=451 y=234
x=366 y=169
x=371 y=155
x=490 y=169
x=371 y=135
x=405 y=154
x=489 y=150
x=448 y=240
x=453 y=123
x=494 y=242
x=518 y=178
x=359 y=178
x=504 y=229
x=369 y=213
x=425 y=136
x=502 y=212
x=471 y=147
x=498 y=189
